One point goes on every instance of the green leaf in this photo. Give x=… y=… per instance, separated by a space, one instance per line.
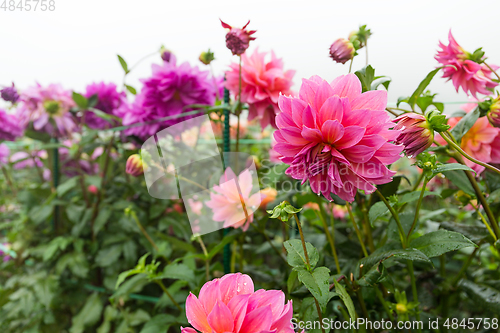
x=41 y=214
x=63 y=188
x=413 y=196
x=291 y=280
x=123 y=63
x=295 y=253
x=421 y=87
x=405 y=254
x=317 y=283
x=384 y=80
x=366 y=75
x=177 y=272
x=475 y=233
x=486 y=297
x=101 y=219
x=58 y=243
x=108 y=255
x=159 y=324
x=344 y=296
x=88 y=315
x=80 y=100
x=459 y=179
x=450 y=167
x=465 y=124
x=131 y=89
x=292 y=210
x=377 y=210
x=441 y=241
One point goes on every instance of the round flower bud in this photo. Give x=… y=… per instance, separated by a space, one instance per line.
x=238 y=40
x=9 y=94
x=92 y=189
x=342 y=51
x=493 y=114
x=206 y=57
x=166 y=54
x=134 y=165
x=416 y=133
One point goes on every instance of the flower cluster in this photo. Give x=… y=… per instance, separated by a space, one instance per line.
x=261 y=84
x=464 y=69
x=337 y=137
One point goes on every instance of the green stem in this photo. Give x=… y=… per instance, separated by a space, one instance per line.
x=329 y=236
x=144 y=232
x=9 y=181
x=207 y=261
x=306 y=255
x=165 y=290
x=464 y=267
x=419 y=204
x=414 y=289
x=263 y=232
x=491 y=69
x=448 y=138
x=356 y=229
x=384 y=304
x=396 y=218
x=350 y=65
x=484 y=222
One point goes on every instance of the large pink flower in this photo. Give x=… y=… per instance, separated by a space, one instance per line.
x=232 y=201
x=229 y=304
x=471 y=76
x=482 y=141
x=337 y=137
x=46 y=107
x=261 y=84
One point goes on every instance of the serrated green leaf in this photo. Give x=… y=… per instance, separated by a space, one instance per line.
x=317 y=283
x=295 y=253
x=344 y=296
x=441 y=241
x=487 y=298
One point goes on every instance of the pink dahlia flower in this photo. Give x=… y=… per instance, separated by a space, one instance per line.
x=109 y=100
x=462 y=71
x=261 y=84
x=238 y=40
x=230 y=304
x=47 y=105
x=168 y=92
x=482 y=141
x=9 y=127
x=4 y=154
x=337 y=137
x=416 y=133
x=232 y=201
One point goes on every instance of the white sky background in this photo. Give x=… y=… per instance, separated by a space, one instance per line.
x=77 y=43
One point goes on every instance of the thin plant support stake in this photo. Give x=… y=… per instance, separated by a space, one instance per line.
x=226 y=148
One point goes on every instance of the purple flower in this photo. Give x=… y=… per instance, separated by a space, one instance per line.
x=342 y=51
x=4 y=154
x=109 y=100
x=9 y=126
x=9 y=94
x=168 y=92
x=44 y=106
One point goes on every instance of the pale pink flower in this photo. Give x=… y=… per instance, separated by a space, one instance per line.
x=337 y=137
x=232 y=201
x=229 y=304
x=473 y=77
x=261 y=84
x=482 y=141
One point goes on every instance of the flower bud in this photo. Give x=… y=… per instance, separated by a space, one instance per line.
x=9 y=94
x=401 y=308
x=238 y=40
x=342 y=51
x=416 y=133
x=134 y=165
x=207 y=57
x=494 y=113
x=92 y=189
x=166 y=54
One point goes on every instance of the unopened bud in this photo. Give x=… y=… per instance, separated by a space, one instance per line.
x=134 y=165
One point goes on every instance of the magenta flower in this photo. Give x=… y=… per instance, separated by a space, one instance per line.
x=168 y=92
x=238 y=40
x=262 y=83
x=416 y=133
x=9 y=127
x=9 y=94
x=473 y=77
x=337 y=137
x=229 y=304
x=4 y=154
x=232 y=202
x=342 y=51
x=44 y=105
x=109 y=100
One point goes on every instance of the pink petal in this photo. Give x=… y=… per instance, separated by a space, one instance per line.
x=187 y=330
x=332 y=131
x=332 y=109
x=348 y=86
x=232 y=285
x=322 y=94
x=221 y=319
x=238 y=307
x=196 y=314
x=209 y=294
x=312 y=135
x=358 y=153
x=352 y=135
x=258 y=320
x=370 y=100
